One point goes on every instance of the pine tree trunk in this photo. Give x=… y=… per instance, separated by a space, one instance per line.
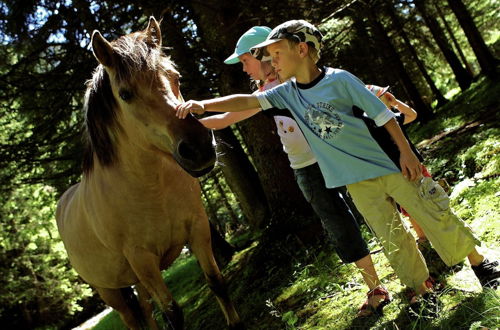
x=242 y=179
x=259 y=132
x=454 y=40
x=239 y=172
x=394 y=61
x=222 y=193
x=223 y=251
x=485 y=58
x=210 y=208
x=420 y=64
x=464 y=79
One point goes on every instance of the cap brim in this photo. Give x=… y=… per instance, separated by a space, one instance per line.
x=233 y=59
x=266 y=43
x=384 y=90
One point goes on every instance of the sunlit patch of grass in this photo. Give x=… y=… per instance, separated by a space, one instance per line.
x=479 y=205
x=111 y=321
x=483 y=158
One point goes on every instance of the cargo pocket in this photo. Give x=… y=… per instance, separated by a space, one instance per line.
x=430 y=191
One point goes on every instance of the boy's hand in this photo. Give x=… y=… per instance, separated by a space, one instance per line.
x=410 y=166
x=190 y=106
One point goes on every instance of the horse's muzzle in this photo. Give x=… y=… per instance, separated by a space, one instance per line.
x=196 y=157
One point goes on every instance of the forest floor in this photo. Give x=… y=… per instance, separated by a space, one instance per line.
x=282 y=280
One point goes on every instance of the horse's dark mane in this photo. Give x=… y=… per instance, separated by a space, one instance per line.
x=133 y=56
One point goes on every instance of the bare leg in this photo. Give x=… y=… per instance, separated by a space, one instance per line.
x=365 y=266
x=418 y=230
x=367 y=269
x=475 y=258
x=114 y=298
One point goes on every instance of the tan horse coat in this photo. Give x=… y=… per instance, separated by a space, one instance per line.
x=137 y=206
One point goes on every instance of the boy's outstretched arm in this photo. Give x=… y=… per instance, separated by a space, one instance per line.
x=226 y=119
x=410 y=165
x=231 y=103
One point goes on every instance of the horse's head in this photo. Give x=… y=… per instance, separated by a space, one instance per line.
x=133 y=94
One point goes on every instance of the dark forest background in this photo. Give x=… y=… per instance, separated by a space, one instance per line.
x=426 y=50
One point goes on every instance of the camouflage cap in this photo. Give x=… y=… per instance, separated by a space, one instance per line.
x=294 y=30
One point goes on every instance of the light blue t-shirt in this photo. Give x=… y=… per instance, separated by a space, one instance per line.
x=341 y=142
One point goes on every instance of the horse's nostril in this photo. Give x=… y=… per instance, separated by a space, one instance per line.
x=186 y=151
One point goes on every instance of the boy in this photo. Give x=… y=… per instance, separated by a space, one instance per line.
x=322 y=101
x=333 y=209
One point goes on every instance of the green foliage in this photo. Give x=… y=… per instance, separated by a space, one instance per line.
x=34 y=272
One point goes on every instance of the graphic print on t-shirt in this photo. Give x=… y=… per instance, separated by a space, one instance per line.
x=324 y=120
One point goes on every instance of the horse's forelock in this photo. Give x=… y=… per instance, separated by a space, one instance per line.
x=135 y=55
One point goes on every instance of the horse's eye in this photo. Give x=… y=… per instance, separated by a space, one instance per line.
x=125 y=95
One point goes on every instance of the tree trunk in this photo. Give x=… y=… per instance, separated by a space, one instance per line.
x=258 y=132
x=420 y=64
x=239 y=172
x=464 y=79
x=394 y=60
x=454 y=40
x=368 y=51
x=223 y=251
x=485 y=58
x=242 y=179
x=210 y=208
x=222 y=193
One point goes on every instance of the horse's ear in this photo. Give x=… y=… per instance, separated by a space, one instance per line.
x=153 y=33
x=103 y=51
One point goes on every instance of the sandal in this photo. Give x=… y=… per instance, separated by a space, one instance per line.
x=367 y=309
x=430 y=283
x=426 y=306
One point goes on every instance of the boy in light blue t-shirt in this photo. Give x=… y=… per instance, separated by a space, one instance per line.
x=323 y=101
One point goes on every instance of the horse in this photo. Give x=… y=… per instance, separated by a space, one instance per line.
x=139 y=202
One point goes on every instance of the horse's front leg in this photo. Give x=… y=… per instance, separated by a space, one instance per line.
x=146 y=304
x=200 y=244
x=146 y=265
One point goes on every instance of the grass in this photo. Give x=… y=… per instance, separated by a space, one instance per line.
x=282 y=281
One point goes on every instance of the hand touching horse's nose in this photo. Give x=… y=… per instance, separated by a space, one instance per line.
x=190 y=106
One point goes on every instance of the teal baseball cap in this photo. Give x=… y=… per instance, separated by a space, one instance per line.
x=252 y=37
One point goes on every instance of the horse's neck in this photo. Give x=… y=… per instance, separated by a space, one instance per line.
x=140 y=172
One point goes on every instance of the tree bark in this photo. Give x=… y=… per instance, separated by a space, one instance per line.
x=239 y=172
x=468 y=67
x=258 y=133
x=463 y=78
x=223 y=251
x=485 y=58
x=441 y=100
x=222 y=193
x=394 y=60
x=210 y=208
x=242 y=179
